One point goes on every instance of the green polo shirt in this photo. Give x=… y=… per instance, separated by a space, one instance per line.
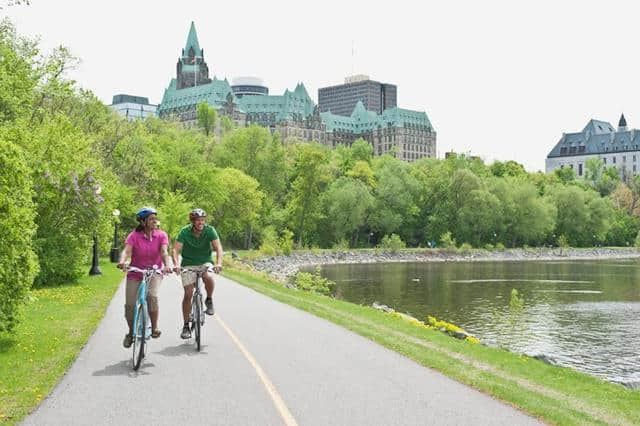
x=196 y=250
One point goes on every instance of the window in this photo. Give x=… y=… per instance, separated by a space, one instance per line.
x=634 y=158
x=624 y=158
x=614 y=160
x=604 y=160
x=571 y=165
x=563 y=151
x=634 y=169
x=580 y=169
x=581 y=148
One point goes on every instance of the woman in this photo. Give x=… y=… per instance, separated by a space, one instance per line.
x=147 y=246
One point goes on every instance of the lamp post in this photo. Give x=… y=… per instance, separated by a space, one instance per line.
x=95 y=268
x=115 y=252
x=369 y=238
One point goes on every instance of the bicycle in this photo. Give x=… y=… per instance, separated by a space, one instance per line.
x=141 y=331
x=196 y=318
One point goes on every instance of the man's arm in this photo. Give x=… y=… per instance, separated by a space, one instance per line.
x=177 y=249
x=126 y=254
x=217 y=246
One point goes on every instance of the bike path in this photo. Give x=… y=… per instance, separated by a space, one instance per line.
x=321 y=373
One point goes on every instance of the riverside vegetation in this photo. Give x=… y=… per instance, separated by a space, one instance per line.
x=67 y=161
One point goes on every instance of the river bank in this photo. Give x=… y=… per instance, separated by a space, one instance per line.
x=283 y=267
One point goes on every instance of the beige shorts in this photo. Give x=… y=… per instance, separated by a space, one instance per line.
x=189 y=277
x=131 y=293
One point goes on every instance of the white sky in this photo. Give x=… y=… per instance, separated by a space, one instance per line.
x=499 y=79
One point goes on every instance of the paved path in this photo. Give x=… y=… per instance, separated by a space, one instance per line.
x=262 y=363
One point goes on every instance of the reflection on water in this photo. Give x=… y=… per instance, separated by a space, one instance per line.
x=580 y=314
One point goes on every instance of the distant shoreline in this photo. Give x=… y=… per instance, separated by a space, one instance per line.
x=282 y=267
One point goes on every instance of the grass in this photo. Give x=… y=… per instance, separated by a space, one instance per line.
x=55 y=326
x=553 y=394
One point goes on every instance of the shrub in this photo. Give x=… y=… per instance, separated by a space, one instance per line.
x=18 y=262
x=269 y=245
x=314 y=282
x=285 y=242
x=392 y=243
x=563 y=241
x=446 y=241
x=488 y=246
x=342 y=245
x=499 y=246
x=466 y=247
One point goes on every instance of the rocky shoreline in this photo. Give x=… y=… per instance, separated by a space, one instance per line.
x=283 y=267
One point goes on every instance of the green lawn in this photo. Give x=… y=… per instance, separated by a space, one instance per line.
x=555 y=395
x=55 y=326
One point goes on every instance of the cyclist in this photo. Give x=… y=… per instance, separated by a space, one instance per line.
x=196 y=242
x=146 y=246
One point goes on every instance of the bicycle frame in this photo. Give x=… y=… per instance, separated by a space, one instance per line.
x=141 y=305
x=197 y=314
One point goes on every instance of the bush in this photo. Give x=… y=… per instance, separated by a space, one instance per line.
x=392 y=243
x=466 y=247
x=488 y=246
x=446 y=241
x=314 y=282
x=342 y=245
x=563 y=241
x=499 y=246
x=285 y=242
x=637 y=242
x=18 y=262
x=269 y=245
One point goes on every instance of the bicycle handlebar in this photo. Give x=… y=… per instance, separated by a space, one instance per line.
x=152 y=270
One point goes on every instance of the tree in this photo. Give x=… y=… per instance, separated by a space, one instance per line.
x=348 y=203
x=310 y=177
x=18 y=262
x=565 y=174
x=207 y=117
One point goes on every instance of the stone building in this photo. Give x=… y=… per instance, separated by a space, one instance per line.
x=599 y=139
x=404 y=133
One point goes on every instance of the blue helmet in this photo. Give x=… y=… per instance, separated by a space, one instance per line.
x=145 y=212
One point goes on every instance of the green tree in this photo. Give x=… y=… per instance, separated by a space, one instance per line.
x=18 y=262
x=310 y=177
x=348 y=203
x=207 y=117
x=565 y=174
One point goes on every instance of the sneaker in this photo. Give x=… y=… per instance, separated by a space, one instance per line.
x=128 y=341
x=186 y=332
x=210 y=310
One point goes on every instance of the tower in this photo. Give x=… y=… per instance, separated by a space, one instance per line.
x=191 y=69
x=622 y=124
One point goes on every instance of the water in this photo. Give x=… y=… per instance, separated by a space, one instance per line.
x=579 y=314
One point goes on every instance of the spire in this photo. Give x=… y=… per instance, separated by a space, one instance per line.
x=622 y=124
x=192 y=42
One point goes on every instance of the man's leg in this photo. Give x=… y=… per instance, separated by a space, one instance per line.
x=209 y=285
x=186 y=302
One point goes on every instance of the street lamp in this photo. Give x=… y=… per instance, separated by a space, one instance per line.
x=369 y=238
x=115 y=253
x=95 y=268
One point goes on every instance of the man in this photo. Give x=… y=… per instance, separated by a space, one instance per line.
x=196 y=242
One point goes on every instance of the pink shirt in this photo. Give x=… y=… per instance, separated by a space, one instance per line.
x=146 y=252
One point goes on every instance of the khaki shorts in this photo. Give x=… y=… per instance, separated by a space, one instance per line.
x=189 y=277
x=131 y=293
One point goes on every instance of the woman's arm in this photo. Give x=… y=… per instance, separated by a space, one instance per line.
x=126 y=254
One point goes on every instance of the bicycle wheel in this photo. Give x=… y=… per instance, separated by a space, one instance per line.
x=138 y=339
x=197 y=311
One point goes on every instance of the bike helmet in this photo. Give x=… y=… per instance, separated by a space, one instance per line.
x=196 y=213
x=145 y=212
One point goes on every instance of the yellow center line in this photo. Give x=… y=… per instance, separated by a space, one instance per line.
x=286 y=415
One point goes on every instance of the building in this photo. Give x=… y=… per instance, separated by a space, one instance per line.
x=133 y=107
x=342 y=99
x=404 y=133
x=615 y=147
x=248 y=86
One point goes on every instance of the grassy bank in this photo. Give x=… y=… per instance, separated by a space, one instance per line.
x=55 y=325
x=555 y=395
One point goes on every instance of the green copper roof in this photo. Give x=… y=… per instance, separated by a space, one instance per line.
x=214 y=93
x=192 y=41
x=362 y=120
x=296 y=102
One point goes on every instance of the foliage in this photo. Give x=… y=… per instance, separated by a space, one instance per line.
x=446 y=241
x=18 y=262
x=314 y=282
x=392 y=242
x=207 y=117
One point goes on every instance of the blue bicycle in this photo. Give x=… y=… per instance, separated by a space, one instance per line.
x=141 y=331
